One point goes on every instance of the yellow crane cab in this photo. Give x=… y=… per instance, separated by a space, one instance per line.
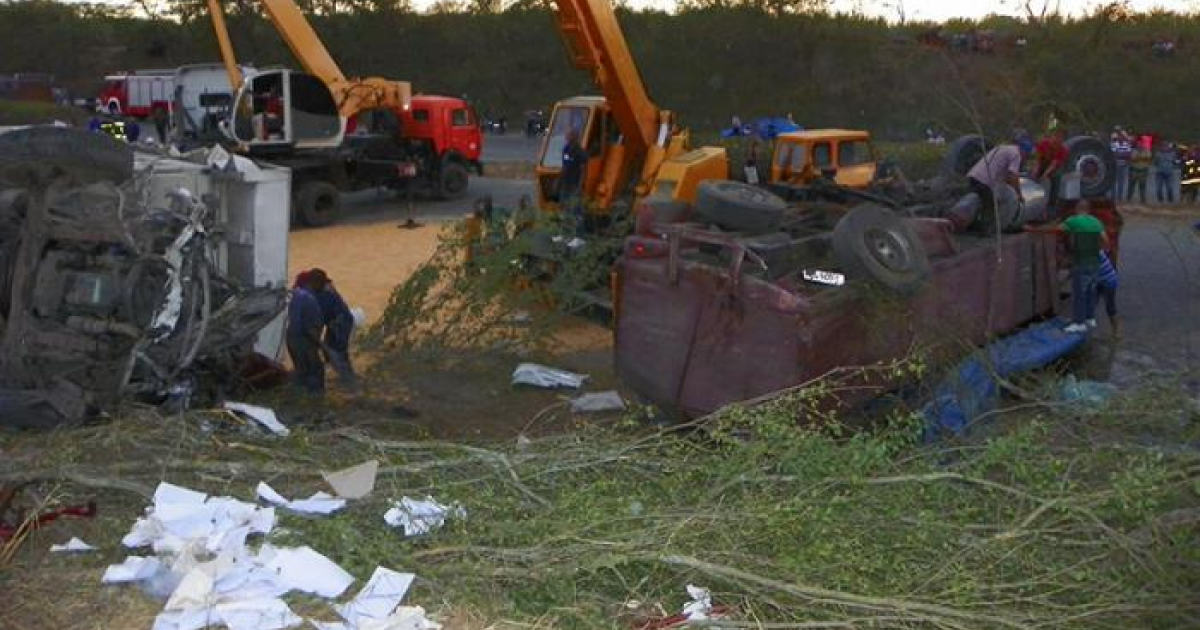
x=801 y=157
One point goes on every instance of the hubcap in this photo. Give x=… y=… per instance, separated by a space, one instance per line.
x=889 y=249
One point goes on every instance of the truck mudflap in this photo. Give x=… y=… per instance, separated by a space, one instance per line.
x=692 y=336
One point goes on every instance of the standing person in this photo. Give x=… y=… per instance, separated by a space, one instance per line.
x=1164 y=172
x=1106 y=289
x=999 y=167
x=339 y=326
x=1086 y=239
x=304 y=337
x=160 y=124
x=1139 y=169
x=570 y=179
x=133 y=130
x=1122 y=149
x=1051 y=160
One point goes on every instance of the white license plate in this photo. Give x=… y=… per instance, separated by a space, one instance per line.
x=824 y=277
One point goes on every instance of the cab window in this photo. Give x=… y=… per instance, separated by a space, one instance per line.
x=822 y=155
x=799 y=158
x=854 y=153
x=421 y=115
x=460 y=118
x=565 y=119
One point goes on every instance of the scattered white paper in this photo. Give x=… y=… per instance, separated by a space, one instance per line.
x=318 y=503
x=542 y=376
x=576 y=243
x=355 y=482
x=378 y=599
x=602 y=401
x=261 y=415
x=194 y=591
x=257 y=614
x=185 y=619
x=405 y=618
x=171 y=493
x=75 y=544
x=329 y=625
x=701 y=605
x=303 y=569
x=420 y=517
x=133 y=569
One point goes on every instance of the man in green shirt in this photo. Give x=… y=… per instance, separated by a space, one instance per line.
x=1085 y=238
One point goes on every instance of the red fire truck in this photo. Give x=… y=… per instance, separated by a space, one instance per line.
x=138 y=93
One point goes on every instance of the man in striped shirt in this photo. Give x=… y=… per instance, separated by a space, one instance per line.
x=1106 y=290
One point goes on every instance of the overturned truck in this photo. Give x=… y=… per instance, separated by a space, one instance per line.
x=743 y=294
x=128 y=276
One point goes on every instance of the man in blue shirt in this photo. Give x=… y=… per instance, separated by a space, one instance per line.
x=339 y=325
x=571 y=179
x=304 y=337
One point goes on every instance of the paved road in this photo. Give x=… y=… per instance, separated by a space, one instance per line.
x=510 y=147
x=1159 y=300
x=385 y=206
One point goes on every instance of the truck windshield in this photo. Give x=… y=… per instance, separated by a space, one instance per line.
x=565 y=119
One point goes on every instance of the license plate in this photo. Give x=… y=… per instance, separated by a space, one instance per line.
x=824 y=277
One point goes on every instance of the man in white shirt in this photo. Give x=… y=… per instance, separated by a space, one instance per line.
x=999 y=167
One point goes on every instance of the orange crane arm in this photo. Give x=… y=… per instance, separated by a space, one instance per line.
x=596 y=43
x=351 y=95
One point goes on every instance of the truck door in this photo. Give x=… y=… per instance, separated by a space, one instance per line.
x=855 y=164
x=464 y=132
x=280 y=109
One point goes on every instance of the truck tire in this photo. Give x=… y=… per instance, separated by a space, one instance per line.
x=43 y=153
x=452 y=181
x=1093 y=160
x=963 y=153
x=317 y=204
x=738 y=206
x=872 y=243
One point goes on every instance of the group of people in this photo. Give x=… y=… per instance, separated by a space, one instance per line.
x=1093 y=274
x=319 y=327
x=1140 y=158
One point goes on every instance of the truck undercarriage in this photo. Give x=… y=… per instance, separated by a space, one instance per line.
x=106 y=293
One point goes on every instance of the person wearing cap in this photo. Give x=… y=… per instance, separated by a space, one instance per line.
x=338 y=322
x=1052 y=157
x=303 y=336
x=999 y=167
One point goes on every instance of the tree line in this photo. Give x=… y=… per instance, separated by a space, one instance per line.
x=710 y=61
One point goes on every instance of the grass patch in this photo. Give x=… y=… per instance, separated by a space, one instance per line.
x=38 y=113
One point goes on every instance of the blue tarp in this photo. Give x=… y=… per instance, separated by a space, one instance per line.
x=765 y=128
x=971 y=388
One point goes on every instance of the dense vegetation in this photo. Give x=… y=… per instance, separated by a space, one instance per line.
x=707 y=63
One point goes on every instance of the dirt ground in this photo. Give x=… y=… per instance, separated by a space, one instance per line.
x=464 y=398
x=365 y=261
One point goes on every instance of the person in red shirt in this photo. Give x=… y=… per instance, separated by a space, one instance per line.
x=1051 y=162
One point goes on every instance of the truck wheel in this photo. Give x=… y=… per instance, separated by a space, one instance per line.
x=317 y=204
x=38 y=154
x=738 y=206
x=1094 y=161
x=963 y=153
x=871 y=242
x=452 y=181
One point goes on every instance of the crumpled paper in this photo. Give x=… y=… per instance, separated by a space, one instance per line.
x=543 y=376
x=421 y=517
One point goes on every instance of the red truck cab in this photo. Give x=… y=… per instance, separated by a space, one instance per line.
x=449 y=126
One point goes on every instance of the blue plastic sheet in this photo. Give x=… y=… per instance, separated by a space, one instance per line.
x=765 y=128
x=971 y=388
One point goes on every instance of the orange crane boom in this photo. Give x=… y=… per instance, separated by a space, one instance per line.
x=351 y=95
